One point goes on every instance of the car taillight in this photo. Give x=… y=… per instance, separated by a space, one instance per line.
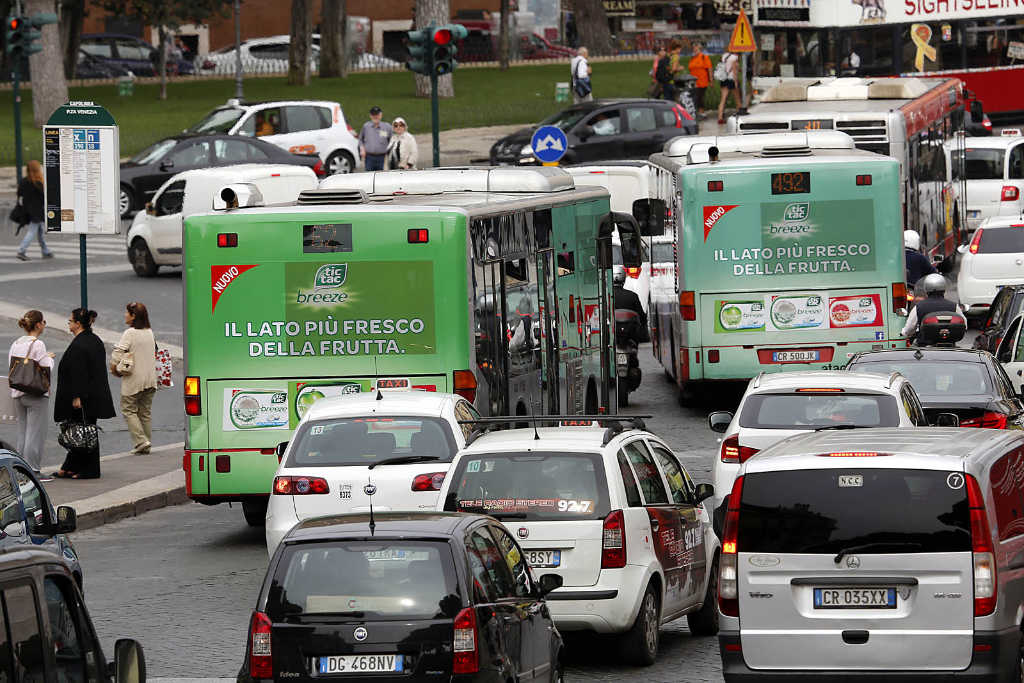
x=613 y=541
x=985 y=593
x=633 y=272
x=193 y=402
x=428 y=482
x=687 y=307
x=728 y=592
x=899 y=296
x=318 y=168
x=300 y=486
x=261 y=663
x=733 y=452
x=986 y=122
x=1010 y=193
x=988 y=420
x=465 y=659
x=464 y=383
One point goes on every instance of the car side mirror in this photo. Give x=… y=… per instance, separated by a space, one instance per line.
x=703 y=492
x=719 y=421
x=585 y=132
x=947 y=420
x=129 y=665
x=67 y=519
x=166 y=165
x=549 y=582
x=903 y=312
x=281 y=448
x=650 y=216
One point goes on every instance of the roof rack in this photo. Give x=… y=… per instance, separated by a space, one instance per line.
x=613 y=423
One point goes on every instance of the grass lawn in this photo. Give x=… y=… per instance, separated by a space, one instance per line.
x=483 y=97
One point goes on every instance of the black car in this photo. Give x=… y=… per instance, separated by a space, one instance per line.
x=94 y=67
x=129 y=52
x=1005 y=307
x=603 y=129
x=415 y=596
x=144 y=173
x=969 y=384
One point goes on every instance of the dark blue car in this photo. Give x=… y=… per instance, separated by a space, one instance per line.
x=130 y=53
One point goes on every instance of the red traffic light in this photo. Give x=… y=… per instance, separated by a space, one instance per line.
x=442 y=36
x=14 y=23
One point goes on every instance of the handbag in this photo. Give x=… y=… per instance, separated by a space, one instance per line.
x=27 y=375
x=79 y=436
x=163 y=369
x=582 y=87
x=125 y=363
x=19 y=215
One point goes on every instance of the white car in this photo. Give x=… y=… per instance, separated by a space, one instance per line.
x=400 y=441
x=259 y=55
x=611 y=511
x=995 y=257
x=778 y=406
x=299 y=126
x=154 y=238
x=994 y=171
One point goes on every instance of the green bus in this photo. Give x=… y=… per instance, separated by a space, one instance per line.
x=789 y=256
x=491 y=283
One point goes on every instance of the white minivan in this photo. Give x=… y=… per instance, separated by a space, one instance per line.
x=993 y=171
x=154 y=238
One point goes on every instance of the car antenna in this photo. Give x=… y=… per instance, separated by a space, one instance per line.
x=369 y=490
x=533 y=414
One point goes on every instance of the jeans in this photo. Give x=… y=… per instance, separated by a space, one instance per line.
x=32 y=231
x=33 y=417
x=137 y=411
x=375 y=162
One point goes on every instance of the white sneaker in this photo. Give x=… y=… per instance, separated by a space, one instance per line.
x=142 y=448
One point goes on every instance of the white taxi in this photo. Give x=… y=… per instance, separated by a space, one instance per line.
x=400 y=442
x=993 y=259
x=993 y=168
x=612 y=511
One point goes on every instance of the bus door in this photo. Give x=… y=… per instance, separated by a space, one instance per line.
x=548 y=331
x=490 y=336
x=522 y=334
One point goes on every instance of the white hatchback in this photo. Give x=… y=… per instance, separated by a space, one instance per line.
x=993 y=169
x=995 y=257
x=401 y=442
x=778 y=406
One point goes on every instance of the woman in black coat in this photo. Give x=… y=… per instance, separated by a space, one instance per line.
x=82 y=391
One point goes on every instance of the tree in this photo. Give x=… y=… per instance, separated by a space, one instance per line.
x=592 y=26
x=72 y=16
x=503 y=38
x=300 y=47
x=434 y=12
x=49 y=87
x=333 y=39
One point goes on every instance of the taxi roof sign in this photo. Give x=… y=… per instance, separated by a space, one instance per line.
x=1011 y=132
x=742 y=39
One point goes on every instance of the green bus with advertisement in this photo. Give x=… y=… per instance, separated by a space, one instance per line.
x=789 y=256
x=490 y=283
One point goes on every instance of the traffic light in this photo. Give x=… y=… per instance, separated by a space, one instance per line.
x=14 y=44
x=32 y=30
x=419 y=53
x=444 y=44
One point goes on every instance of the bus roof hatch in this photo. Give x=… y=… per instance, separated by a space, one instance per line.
x=695 y=148
x=464 y=179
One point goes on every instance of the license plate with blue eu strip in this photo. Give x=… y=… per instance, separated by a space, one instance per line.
x=357 y=664
x=854 y=598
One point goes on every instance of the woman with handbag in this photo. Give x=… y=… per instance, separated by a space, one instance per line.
x=30 y=366
x=83 y=396
x=30 y=200
x=134 y=361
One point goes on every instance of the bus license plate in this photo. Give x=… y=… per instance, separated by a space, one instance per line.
x=787 y=356
x=544 y=558
x=854 y=598
x=352 y=664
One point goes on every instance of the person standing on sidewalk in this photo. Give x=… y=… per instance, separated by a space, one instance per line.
x=134 y=361
x=579 y=72
x=700 y=68
x=402 y=151
x=30 y=194
x=374 y=139
x=83 y=393
x=31 y=410
x=726 y=73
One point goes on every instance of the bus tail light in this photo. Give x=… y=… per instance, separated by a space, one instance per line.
x=687 y=308
x=613 y=541
x=714 y=356
x=899 y=296
x=728 y=589
x=193 y=404
x=300 y=486
x=465 y=657
x=985 y=585
x=227 y=239
x=863 y=180
x=716 y=185
x=428 y=482
x=419 y=235
x=261 y=661
x=464 y=382
x=1010 y=193
x=633 y=272
x=733 y=452
x=976 y=241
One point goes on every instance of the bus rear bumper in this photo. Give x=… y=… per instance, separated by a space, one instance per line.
x=743 y=362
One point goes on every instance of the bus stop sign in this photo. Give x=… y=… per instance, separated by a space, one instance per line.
x=549 y=144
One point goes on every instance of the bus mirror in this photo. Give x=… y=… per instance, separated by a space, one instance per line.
x=629 y=239
x=650 y=216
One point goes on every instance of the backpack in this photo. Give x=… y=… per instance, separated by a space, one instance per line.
x=663 y=74
x=722 y=69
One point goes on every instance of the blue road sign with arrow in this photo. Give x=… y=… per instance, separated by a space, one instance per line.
x=549 y=144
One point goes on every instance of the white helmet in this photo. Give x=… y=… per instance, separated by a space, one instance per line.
x=911 y=239
x=934 y=283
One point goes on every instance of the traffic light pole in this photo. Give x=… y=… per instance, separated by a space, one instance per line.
x=435 y=119
x=15 y=82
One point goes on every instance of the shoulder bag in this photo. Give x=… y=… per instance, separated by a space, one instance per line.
x=163 y=369
x=27 y=375
x=79 y=436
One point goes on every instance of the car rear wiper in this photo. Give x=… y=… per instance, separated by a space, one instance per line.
x=821 y=429
x=909 y=545
x=404 y=460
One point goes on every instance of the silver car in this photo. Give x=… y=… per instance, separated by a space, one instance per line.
x=875 y=554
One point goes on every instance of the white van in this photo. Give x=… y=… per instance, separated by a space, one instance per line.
x=154 y=238
x=993 y=170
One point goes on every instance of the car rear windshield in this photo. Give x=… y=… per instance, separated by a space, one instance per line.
x=981 y=163
x=530 y=486
x=937 y=380
x=218 y=121
x=862 y=510
x=379 y=579
x=813 y=411
x=367 y=440
x=1001 y=240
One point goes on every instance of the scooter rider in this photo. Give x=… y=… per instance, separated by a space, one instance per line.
x=934 y=302
x=623 y=298
x=918 y=264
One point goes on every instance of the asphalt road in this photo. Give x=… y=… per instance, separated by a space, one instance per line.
x=183 y=580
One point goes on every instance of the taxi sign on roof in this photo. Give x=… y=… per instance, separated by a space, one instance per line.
x=1011 y=132
x=742 y=39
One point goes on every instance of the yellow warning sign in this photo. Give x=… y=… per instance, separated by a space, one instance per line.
x=742 y=39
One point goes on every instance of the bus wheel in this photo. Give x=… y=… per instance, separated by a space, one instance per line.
x=255 y=512
x=141 y=259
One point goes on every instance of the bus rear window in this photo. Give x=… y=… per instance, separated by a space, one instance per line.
x=1001 y=241
x=812 y=411
x=873 y=510
x=366 y=440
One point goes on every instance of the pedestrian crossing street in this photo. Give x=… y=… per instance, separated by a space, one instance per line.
x=65 y=248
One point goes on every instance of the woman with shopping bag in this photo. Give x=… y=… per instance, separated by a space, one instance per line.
x=134 y=361
x=83 y=396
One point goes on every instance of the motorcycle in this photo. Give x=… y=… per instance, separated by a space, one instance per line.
x=941 y=329
x=627 y=361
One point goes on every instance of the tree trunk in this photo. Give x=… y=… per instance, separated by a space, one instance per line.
x=161 y=60
x=504 y=42
x=434 y=12
x=49 y=87
x=346 y=49
x=301 y=40
x=592 y=26
x=72 y=15
x=332 y=30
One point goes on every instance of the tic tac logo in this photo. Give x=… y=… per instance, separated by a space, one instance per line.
x=712 y=214
x=330 y=276
x=797 y=211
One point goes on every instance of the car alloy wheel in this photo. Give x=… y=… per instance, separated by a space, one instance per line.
x=649 y=614
x=339 y=162
x=124 y=202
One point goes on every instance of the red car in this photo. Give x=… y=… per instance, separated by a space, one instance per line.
x=536 y=46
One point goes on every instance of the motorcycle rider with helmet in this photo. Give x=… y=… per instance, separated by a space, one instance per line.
x=917 y=263
x=935 y=301
x=622 y=298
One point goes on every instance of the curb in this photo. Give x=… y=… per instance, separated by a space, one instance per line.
x=144 y=496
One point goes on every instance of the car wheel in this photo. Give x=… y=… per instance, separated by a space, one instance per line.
x=1018 y=674
x=340 y=162
x=640 y=643
x=255 y=512
x=705 y=621
x=125 y=201
x=558 y=674
x=141 y=259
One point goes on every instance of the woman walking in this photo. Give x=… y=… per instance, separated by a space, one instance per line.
x=30 y=194
x=134 y=361
x=31 y=410
x=83 y=394
x=726 y=74
x=402 y=153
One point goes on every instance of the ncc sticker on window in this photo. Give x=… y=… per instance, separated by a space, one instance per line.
x=850 y=481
